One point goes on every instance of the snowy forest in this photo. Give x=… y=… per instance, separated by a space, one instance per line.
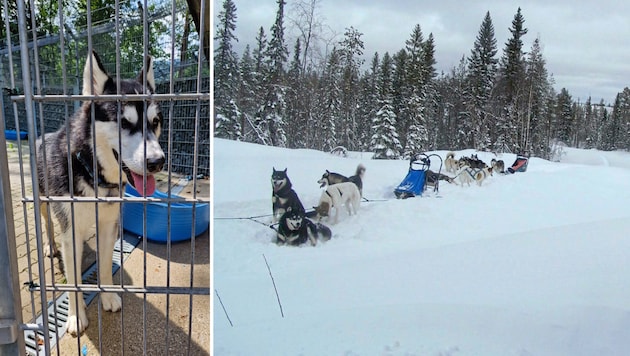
x=397 y=104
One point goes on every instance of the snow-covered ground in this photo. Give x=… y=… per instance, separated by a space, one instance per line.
x=535 y=263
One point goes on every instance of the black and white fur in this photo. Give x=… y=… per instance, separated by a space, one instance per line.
x=337 y=195
x=295 y=229
x=69 y=159
x=330 y=178
x=283 y=197
x=498 y=166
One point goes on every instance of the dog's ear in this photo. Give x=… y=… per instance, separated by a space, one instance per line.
x=285 y=170
x=150 y=75
x=94 y=76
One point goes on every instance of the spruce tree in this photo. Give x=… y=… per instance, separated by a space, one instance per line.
x=430 y=101
x=328 y=107
x=295 y=115
x=482 y=68
x=537 y=86
x=247 y=92
x=226 y=116
x=271 y=115
x=564 y=116
x=413 y=128
x=384 y=142
x=511 y=101
x=350 y=50
x=621 y=117
x=368 y=103
x=400 y=94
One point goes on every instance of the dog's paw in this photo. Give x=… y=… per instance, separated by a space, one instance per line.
x=111 y=301
x=47 y=249
x=77 y=324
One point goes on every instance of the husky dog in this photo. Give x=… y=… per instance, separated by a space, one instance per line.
x=432 y=177
x=468 y=175
x=451 y=163
x=498 y=166
x=330 y=178
x=283 y=197
x=473 y=162
x=137 y=152
x=335 y=196
x=295 y=229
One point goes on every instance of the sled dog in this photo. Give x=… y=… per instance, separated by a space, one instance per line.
x=451 y=163
x=283 y=197
x=498 y=166
x=68 y=156
x=335 y=196
x=473 y=162
x=295 y=229
x=330 y=178
x=432 y=177
x=468 y=175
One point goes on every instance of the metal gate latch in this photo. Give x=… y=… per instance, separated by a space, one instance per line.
x=8 y=331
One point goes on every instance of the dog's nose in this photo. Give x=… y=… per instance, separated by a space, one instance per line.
x=155 y=164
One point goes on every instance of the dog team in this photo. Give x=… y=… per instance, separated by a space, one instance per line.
x=295 y=225
x=471 y=169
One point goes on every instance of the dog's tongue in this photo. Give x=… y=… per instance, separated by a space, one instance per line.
x=138 y=182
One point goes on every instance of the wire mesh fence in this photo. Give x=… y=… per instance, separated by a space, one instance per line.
x=44 y=72
x=175 y=64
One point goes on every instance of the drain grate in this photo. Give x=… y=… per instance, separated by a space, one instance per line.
x=57 y=320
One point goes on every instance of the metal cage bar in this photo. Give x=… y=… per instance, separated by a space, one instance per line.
x=41 y=103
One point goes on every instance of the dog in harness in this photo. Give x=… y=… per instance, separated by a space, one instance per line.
x=296 y=229
x=335 y=196
x=283 y=197
x=468 y=175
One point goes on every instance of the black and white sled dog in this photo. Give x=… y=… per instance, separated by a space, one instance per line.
x=337 y=195
x=129 y=150
x=330 y=178
x=283 y=197
x=295 y=229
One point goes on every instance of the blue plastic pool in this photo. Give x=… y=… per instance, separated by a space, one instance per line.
x=13 y=135
x=157 y=218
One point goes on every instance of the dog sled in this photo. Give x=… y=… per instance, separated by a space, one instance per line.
x=519 y=165
x=419 y=177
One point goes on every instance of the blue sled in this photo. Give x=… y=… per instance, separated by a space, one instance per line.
x=414 y=182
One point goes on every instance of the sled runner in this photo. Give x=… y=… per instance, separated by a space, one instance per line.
x=415 y=183
x=519 y=165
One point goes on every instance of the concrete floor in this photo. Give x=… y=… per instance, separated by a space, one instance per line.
x=122 y=332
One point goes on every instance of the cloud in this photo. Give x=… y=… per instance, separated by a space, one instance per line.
x=585 y=43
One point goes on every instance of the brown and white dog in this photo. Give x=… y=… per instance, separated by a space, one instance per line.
x=451 y=163
x=335 y=196
x=468 y=175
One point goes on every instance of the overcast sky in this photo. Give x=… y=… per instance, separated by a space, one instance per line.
x=586 y=43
